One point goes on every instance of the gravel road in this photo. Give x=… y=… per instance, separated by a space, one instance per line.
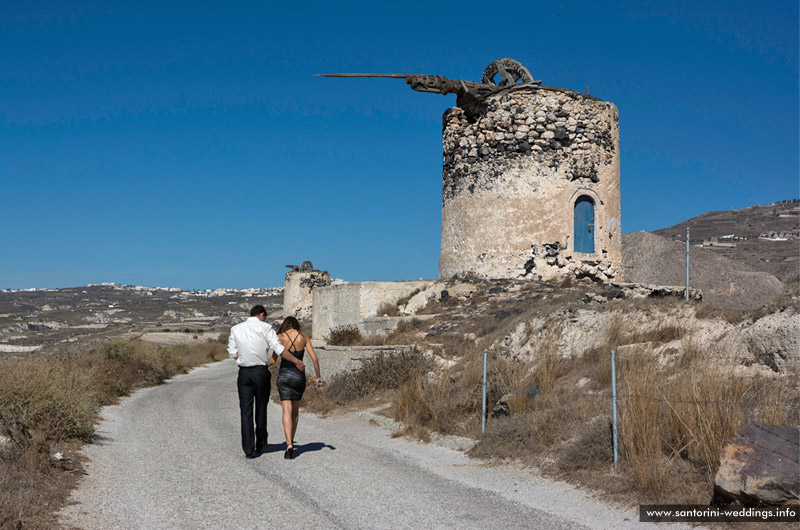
x=170 y=457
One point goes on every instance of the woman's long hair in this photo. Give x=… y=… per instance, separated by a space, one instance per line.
x=289 y=323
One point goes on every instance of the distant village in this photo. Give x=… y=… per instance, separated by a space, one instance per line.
x=179 y=293
x=730 y=240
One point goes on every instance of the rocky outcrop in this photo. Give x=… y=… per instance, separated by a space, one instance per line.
x=638 y=290
x=760 y=465
x=437 y=291
x=774 y=340
x=43 y=325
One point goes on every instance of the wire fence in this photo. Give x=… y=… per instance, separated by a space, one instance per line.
x=675 y=401
x=614 y=398
x=632 y=355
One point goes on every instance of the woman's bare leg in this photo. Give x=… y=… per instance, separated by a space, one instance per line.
x=295 y=416
x=289 y=423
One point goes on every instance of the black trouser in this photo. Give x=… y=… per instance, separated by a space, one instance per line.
x=254 y=383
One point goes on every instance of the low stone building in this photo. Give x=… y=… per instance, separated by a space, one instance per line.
x=353 y=304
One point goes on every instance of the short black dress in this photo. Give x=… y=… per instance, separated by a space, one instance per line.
x=291 y=381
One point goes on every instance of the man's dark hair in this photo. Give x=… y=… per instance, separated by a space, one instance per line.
x=257 y=310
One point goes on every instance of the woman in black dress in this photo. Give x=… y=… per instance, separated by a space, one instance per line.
x=292 y=377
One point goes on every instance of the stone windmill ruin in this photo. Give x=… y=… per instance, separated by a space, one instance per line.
x=530 y=177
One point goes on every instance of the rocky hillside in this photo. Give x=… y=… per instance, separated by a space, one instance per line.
x=528 y=319
x=652 y=259
x=764 y=238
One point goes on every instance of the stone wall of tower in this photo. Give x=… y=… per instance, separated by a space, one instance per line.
x=512 y=173
x=298 y=291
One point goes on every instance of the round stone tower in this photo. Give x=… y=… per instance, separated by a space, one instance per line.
x=531 y=186
x=298 y=287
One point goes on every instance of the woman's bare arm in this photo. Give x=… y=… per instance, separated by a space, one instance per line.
x=313 y=359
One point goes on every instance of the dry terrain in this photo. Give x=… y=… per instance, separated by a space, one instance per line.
x=689 y=376
x=61 y=320
x=724 y=282
x=777 y=252
x=690 y=373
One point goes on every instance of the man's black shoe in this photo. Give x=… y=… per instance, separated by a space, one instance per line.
x=250 y=456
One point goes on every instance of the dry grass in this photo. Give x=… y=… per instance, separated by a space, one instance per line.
x=707 y=311
x=404 y=300
x=621 y=333
x=437 y=305
x=676 y=408
x=351 y=335
x=404 y=331
x=442 y=404
x=675 y=411
x=51 y=404
x=673 y=422
x=344 y=336
x=549 y=364
x=673 y=418
x=591 y=447
x=388 y=309
x=392 y=309
x=384 y=371
x=33 y=485
x=553 y=423
x=548 y=420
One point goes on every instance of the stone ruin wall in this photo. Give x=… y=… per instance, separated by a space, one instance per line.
x=511 y=175
x=298 y=291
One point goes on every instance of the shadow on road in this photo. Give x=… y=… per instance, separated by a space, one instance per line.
x=299 y=449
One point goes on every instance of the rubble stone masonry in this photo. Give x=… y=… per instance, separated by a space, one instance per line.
x=512 y=175
x=298 y=291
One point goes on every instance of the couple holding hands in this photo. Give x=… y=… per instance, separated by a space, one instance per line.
x=249 y=343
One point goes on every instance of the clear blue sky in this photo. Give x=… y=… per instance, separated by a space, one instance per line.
x=187 y=144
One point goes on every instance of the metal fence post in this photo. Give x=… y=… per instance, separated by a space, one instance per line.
x=614 y=406
x=483 y=410
x=687 y=263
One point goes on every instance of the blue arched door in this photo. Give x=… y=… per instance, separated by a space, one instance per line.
x=584 y=225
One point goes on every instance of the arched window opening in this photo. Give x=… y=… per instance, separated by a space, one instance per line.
x=584 y=225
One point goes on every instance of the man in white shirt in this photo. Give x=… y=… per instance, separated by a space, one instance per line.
x=249 y=344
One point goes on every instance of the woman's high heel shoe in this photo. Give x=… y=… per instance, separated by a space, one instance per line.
x=289 y=453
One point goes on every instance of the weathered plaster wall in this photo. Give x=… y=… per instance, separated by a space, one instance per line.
x=334 y=306
x=349 y=304
x=511 y=176
x=297 y=293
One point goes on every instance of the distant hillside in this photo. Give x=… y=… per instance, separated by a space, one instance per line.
x=764 y=238
x=650 y=258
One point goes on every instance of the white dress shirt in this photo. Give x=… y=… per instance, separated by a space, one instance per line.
x=250 y=342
